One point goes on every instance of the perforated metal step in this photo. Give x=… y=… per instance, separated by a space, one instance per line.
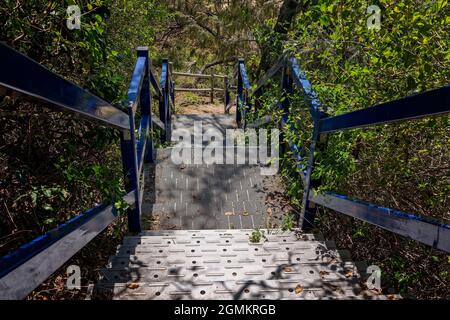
x=225 y=264
x=222 y=195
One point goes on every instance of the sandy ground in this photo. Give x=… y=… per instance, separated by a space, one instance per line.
x=188 y=103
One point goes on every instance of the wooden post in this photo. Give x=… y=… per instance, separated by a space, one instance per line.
x=226 y=94
x=212 y=88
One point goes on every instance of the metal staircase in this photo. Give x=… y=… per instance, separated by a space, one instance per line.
x=226 y=265
x=219 y=206
x=218 y=261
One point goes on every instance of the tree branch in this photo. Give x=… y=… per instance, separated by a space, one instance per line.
x=214 y=63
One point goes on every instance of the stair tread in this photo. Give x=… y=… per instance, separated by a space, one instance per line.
x=226 y=290
x=273 y=232
x=242 y=237
x=162 y=261
x=336 y=271
x=224 y=264
x=168 y=258
x=223 y=245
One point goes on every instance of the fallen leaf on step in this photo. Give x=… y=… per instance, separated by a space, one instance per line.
x=287 y=269
x=323 y=273
x=132 y=286
x=391 y=297
x=229 y=213
x=245 y=213
x=298 y=289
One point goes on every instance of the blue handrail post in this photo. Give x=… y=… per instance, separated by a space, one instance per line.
x=172 y=86
x=164 y=107
x=242 y=106
x=128 y=146
x=130 y=169
x=240 y=93
x=162 y=114
x=309 y=209
x=170 y=100
x=145 y=104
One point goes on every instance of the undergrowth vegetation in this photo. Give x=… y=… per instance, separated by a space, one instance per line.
x=404 y=166
x=54 y=166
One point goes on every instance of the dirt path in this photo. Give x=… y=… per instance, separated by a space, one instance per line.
x=189 y=103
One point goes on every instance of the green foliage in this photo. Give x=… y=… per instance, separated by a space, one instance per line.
x=201 y=31
x=257 y=235
x=288 y=223
x=92 y=179
x=100 y=57
x=403 y=278
x=363 y=231
x=404 y=165
x=352 y=67
x=191 y=98
x=46 y=199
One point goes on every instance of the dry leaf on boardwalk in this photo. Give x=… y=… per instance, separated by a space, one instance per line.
x=132 y=286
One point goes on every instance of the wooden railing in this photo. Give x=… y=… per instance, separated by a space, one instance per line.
x=212 y=89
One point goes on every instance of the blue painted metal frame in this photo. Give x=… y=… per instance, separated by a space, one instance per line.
x=243 y=87
x=144 y=152
x=434 y=102
x=136 y=151
x=21 y=74
x=430 y=103
x=167 y=97
x=425 y=230
x=132 y=152
x=299 y=78
x=25 y=268
x=292 y=74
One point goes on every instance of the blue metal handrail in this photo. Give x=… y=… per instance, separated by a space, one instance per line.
x=26 y=267
x=21 y=74
x=167 y=99
x=431 y=103
x=243 y=87
x=436 y=101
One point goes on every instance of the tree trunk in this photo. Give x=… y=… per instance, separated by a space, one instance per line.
x=271 y=50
